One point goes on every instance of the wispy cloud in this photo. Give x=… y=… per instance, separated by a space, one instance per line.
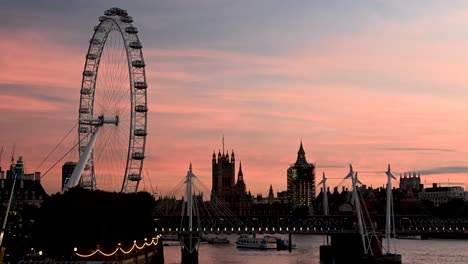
x=419 y=149
x=445 y=170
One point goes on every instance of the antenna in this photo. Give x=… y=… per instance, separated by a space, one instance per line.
x=13 y=154
x=1 y=152
x=223 y=144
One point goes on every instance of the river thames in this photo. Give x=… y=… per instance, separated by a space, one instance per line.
x=432 y=251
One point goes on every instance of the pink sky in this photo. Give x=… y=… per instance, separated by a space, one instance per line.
x=391 y=90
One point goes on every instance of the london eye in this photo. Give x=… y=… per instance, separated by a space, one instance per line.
x=113 y=107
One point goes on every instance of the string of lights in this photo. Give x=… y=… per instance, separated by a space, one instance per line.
x=154 y=242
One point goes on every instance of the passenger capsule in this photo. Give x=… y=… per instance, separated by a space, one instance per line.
x=115 y=10
x=99 y=29
x=88 y=73
x=91 y=56
x=134 y=177
x=95 y=41
x=119 y=11
x=140 y=85
x=127 y=19
x=131 y=30
x=123 y=12
x=86 y=91
x=86 y=184
x=140 y=132
x=84 y=130
x=109 y=12
x=102 y=18
x=138 y=64
x=135 y=45
x=84 y=110
x=141 y=108
x=138 y=156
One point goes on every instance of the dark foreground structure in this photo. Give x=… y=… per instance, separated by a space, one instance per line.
x=82 y=221
x=348 y=248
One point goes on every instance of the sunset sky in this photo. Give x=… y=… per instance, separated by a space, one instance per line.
x=361 y=82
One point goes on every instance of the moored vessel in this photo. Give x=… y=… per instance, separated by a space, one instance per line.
x=256 y=242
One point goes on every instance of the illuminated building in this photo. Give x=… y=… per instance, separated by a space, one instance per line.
x=301 y=181
x=28 y=188
x=67 y=170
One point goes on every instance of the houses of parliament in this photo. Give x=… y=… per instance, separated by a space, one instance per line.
x=300 y=183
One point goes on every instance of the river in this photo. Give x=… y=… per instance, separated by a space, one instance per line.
x=432 y=251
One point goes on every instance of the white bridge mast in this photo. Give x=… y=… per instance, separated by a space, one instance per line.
x=325 y=194
x=389 y=211
x=357 y=204
x=189 y=197
x=98 y=123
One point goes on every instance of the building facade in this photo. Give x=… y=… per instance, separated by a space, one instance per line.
x=410 y=181
x=67 y=170
x=223 y=177
x=439 y=195
x=28 y=188
x=301 y=181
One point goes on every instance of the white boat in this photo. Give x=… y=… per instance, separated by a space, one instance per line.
x=256 y=242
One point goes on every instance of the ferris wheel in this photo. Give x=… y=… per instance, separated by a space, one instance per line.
x=113 y=107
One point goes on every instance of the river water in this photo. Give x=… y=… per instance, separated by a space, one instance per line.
x=432 y=251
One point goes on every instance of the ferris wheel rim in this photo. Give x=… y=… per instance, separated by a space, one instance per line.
x=116 y=19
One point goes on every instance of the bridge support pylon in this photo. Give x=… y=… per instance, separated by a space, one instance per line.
x=189 y=247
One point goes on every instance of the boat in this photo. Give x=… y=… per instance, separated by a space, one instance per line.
x=280 y=243
x=218 y=240
x=256 y=242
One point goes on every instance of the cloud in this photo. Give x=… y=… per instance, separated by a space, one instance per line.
x=444 y=170
x=419 y=149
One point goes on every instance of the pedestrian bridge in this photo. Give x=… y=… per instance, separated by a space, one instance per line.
x=404 y=224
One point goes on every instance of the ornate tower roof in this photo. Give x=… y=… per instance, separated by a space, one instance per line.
x=301 y=151
x=301 y=159
x=240 y=175
x=240 y=184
